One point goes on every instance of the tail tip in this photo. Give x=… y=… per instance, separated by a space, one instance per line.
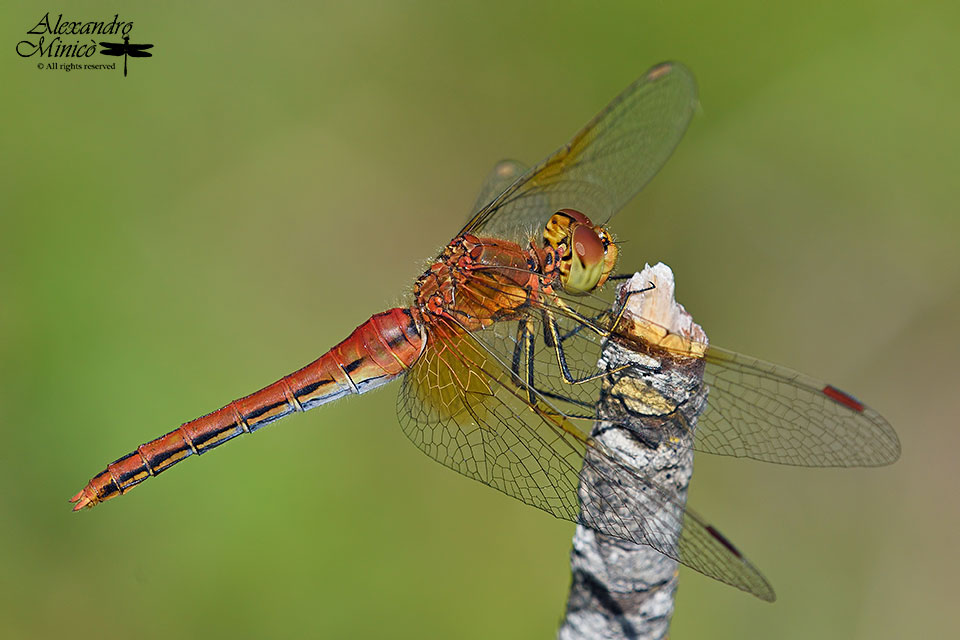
x=82 y=500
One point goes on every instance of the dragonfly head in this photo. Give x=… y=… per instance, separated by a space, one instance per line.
x=587 y=252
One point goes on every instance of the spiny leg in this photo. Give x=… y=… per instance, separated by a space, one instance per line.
x=623 y=307
x=529 y=347
x=556 y=342
x=596 y=322
x=518 y=353
x=525 y=346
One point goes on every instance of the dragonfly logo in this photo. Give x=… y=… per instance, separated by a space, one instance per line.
x=61 y=40
x=126 y=49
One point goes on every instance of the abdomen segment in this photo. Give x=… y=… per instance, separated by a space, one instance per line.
x=376 y=352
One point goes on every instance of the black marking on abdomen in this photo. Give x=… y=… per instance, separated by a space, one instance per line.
x=158 y=461
x=411 y=328
x=256 y=413
x=313 y=386
x=110 y=490
x=396 y=337
x=256 y=426
x=373 y=382
x=129 y=479
x=200 y=441
x=310 y=403
x=350 y=367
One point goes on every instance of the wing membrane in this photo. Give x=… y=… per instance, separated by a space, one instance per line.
x=605 y=164
x=465 y=408
x=767 y=412
x=755 y=410
x=466 y=411
x=511 y=405
x=503 y=174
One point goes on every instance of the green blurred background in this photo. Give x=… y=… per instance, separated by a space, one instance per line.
x=274 y=175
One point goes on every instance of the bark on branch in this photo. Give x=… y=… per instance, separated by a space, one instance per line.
x=622 y=590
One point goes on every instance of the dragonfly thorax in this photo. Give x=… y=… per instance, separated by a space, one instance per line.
x=587 y=252
x=478 y=281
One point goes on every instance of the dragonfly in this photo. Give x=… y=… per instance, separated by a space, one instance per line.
x=497 y=355
x=126 y=49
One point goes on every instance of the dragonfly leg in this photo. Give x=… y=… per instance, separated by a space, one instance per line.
x=595 y=323
x=556 y=342
x=518 y=353
x=585 y=321
x=524 y=355
x=623 y=307
x=523 y=349
x=529 y=348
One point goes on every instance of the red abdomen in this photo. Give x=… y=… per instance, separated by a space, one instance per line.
x=376 y=352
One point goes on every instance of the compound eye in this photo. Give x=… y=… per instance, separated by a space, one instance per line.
x=576 y=216
x=588 y=246
x=587 y=260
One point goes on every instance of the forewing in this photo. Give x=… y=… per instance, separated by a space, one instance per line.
x=464 y=407
x=605 y=164
x=755 y=409
x=503 y=174
x=767 y=412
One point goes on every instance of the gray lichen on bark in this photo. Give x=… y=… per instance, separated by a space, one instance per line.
x=646 y=414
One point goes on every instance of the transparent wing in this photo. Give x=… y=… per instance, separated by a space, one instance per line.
x=464 y=407
x=755 y=409
x=604 y=165
x=503 y=174
x=767 y=412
